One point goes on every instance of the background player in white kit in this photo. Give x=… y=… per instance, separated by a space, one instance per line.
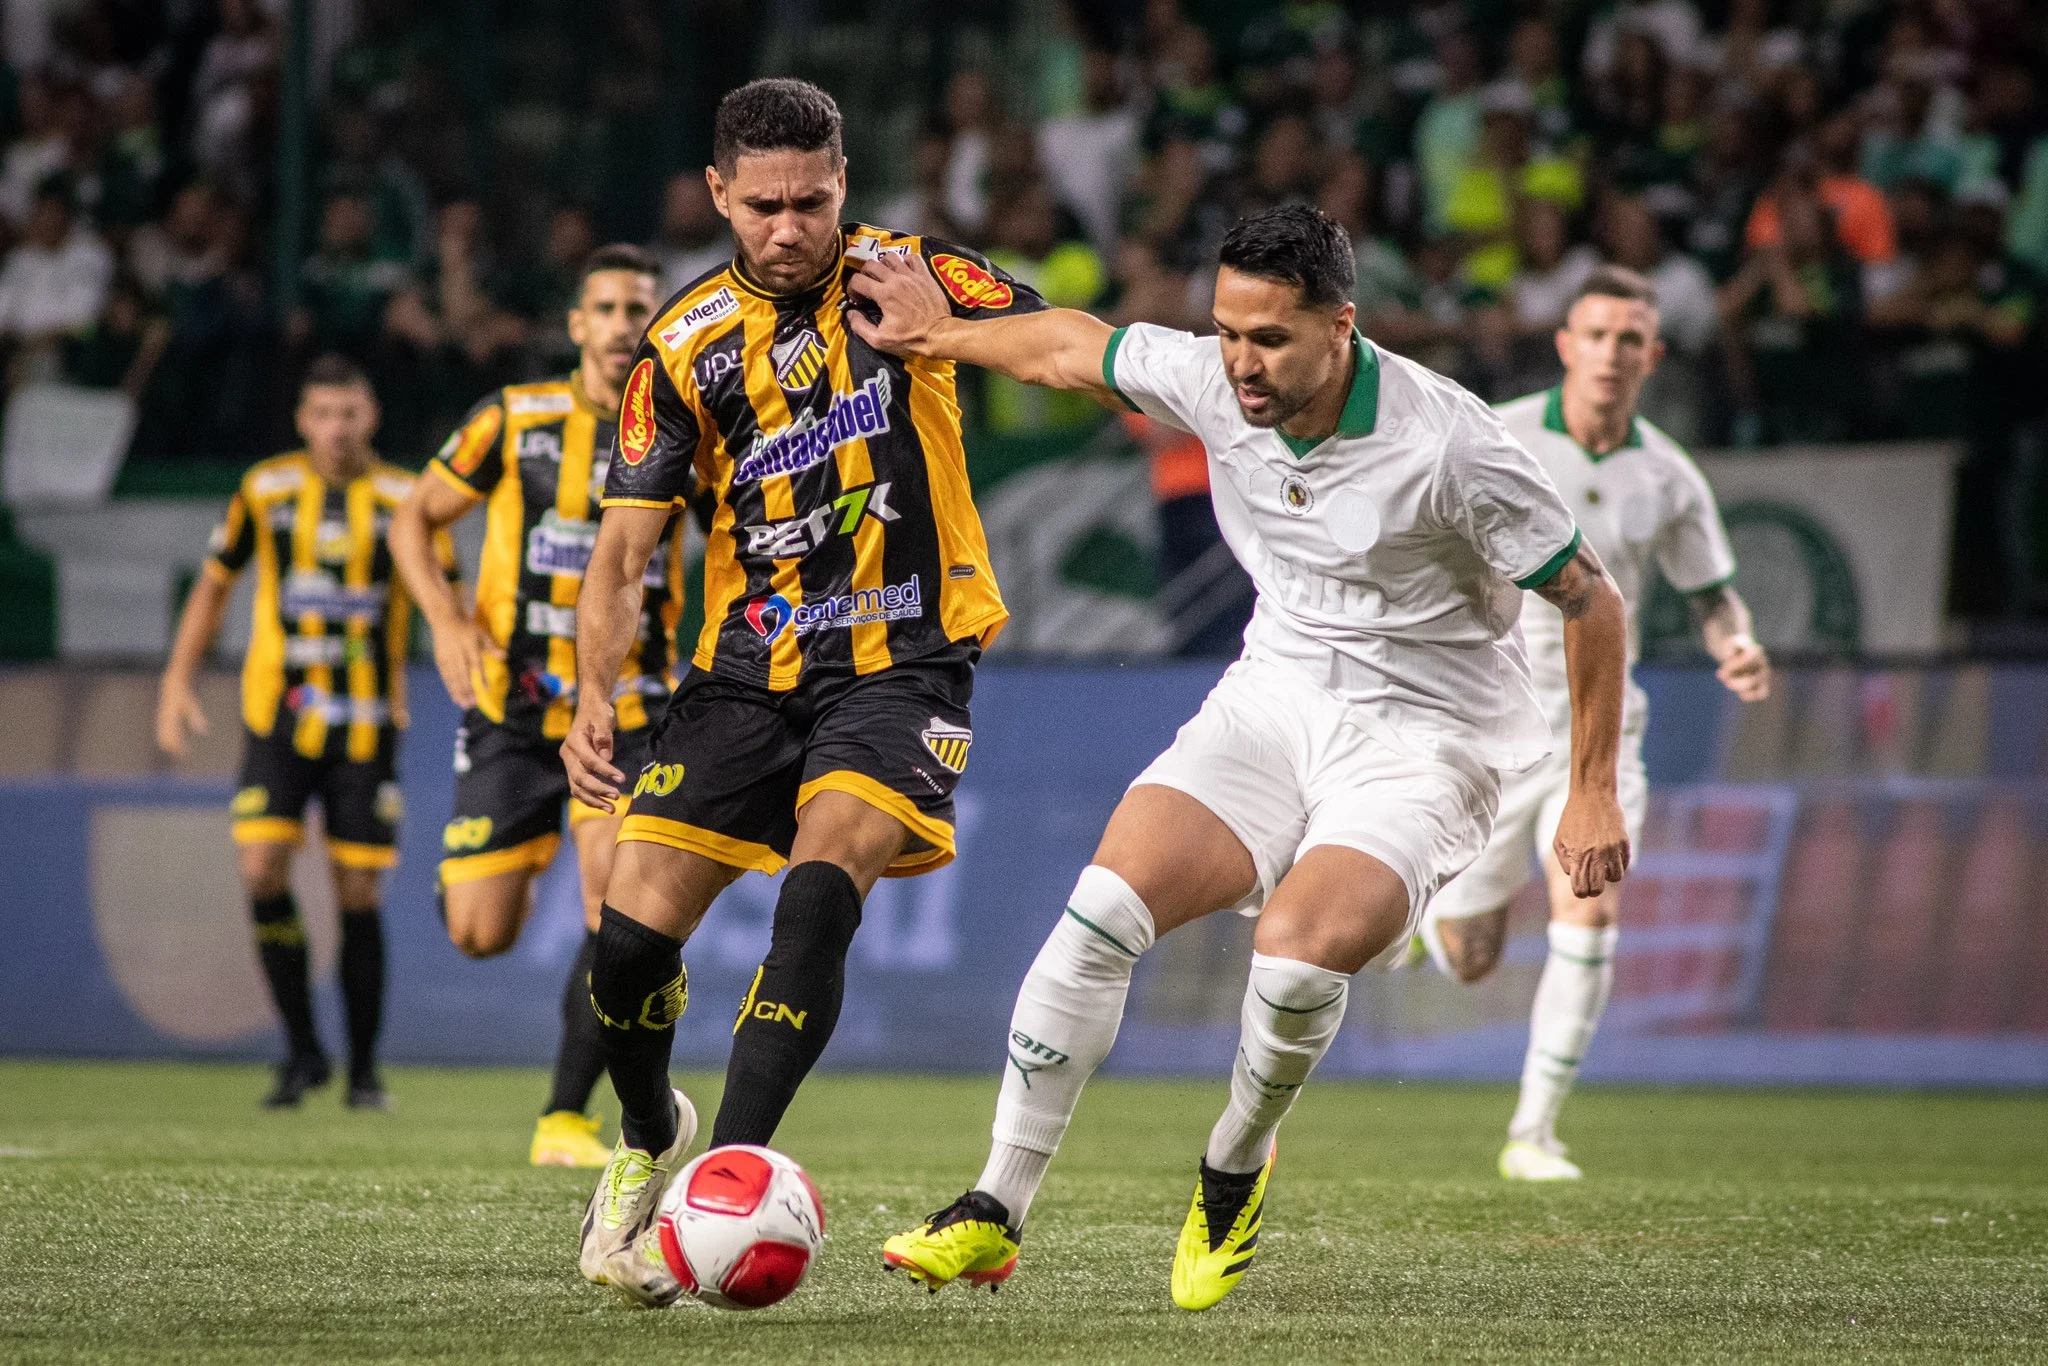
x=1348 y=763
x=1640 y=501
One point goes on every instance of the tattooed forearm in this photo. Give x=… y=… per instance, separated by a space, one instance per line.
x=1574 y=588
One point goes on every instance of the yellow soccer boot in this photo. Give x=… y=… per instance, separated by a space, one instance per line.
x=969 y=1240
x=1220 y=1237
x=564 y=1138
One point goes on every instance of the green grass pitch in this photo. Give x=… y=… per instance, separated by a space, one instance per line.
x=152 y=1213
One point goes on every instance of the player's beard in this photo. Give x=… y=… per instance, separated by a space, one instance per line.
x=1283 y=406
x=787 y=275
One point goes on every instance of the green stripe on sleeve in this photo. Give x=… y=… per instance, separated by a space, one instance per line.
x=1554 y=564
x=1116 y=339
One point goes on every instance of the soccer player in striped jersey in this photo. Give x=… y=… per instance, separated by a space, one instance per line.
x=323 y=701
x=823 y=723
x=535 y=457
x=1642 y=505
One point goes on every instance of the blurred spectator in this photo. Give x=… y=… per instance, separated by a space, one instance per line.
x=550 y=285
x=1676 y=397
x=1190 y=104
x=1053 y=258
x=693 y=238
x=1088 y=155
x=209 y=396
x=1670 y=27
x=452 y=303
x=132 y=166
x=1384 y=281
x=365 y=162
x=1754 y=49
x=345 y=287
x=1550 y=269
x=1149 y=292
x=971 y=117
x=52 y=284
x=2027 y=229
x=1532 y=64
x=177 y=250
x=1863 y=220
x=1454 y=327
x=1789 y=320
x=121 y=348
x=1283 y=167
x=232 y=96
x=921 y=208
x=1276 y=51
x=1500 y=176
x=39 y=150
x=1447 y=133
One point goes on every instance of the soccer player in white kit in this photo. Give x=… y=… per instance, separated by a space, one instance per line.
x=1348 y=763
x=1640 y=502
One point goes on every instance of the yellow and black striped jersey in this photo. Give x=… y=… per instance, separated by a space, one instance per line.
x=332 y=619
x=537 y=453
x=845 y=535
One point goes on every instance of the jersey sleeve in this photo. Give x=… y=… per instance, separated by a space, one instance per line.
x=657 y=442
x=234 y=540
x=1692 y=546
x=975 y=286
x=473 y=457
x=1160 y=372
x=1500 y=498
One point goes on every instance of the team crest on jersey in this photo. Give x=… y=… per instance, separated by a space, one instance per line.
x=1296 y=496
x=636 y=414
x=969 y=283
x=948 y=743
x=798 y=360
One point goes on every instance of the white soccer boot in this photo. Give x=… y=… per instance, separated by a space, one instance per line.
x=640 y=1273
x=1523 y=1160
x=628 y=1193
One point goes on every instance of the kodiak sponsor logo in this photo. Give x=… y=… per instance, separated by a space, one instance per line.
x=804 y=443
x=971 y=284
x=636 y=414
x=771 y=616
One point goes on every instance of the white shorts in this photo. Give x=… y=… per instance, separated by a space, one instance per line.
x=1531 y=803
x=1286 y=766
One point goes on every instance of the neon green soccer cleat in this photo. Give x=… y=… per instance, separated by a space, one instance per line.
x=969 y=1240
x=628 y=1194
x=564 y=1138
x=1220 y=1237
x=1522 y=1160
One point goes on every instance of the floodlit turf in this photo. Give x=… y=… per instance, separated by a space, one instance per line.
x=151 y=1213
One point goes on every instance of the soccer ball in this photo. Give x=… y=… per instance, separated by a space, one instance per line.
x=739 y=1226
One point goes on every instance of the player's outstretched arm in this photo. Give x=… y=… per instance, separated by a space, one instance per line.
x=1059 y=348
x=1592 y=837
x=177 y=706
x=459 y=643
x=607 y=620
x=1725 y=628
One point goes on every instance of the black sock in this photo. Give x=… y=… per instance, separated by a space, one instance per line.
x=579 y=1058
x=281 y=944
x=789 y=1013
x=362 y=987
x=638 y=990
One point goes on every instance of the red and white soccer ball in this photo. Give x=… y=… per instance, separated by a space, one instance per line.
x=739 y=1226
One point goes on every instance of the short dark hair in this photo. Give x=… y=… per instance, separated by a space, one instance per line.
x=1296 y=245
x=334 y=369
x=774 y=114
x=1617 y=282
x=618 y=256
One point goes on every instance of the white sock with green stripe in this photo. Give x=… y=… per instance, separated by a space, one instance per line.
x=1066 y=1019
x=1291 y=1014
x=1577 y=977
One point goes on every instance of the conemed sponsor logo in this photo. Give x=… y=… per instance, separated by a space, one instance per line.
x=855 y=416
x=771 y=616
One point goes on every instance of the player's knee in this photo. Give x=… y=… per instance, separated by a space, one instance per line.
x=356 y=889
x=266 y=869
x=1101 y=934
x=1472 y=962
x=477 y=927
x=1472 y=945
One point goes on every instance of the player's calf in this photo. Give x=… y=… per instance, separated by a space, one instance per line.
x=1471 y=945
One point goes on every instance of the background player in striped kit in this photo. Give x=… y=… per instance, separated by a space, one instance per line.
x=535 y=456
x=323 y=700
x=1642 y=504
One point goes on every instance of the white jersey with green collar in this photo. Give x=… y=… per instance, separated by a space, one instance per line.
x=1643 y=503
x=1389 y=557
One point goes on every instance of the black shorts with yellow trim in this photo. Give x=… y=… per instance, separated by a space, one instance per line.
x=360 y=804
x=733 y=763
x=510 y=788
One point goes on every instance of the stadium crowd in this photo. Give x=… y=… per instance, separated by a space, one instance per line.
x=1844 y=205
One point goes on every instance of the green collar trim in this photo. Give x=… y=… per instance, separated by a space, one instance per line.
x=1361 y=406
x=1553 y=419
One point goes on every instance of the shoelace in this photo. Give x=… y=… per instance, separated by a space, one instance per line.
x=626 y=1179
